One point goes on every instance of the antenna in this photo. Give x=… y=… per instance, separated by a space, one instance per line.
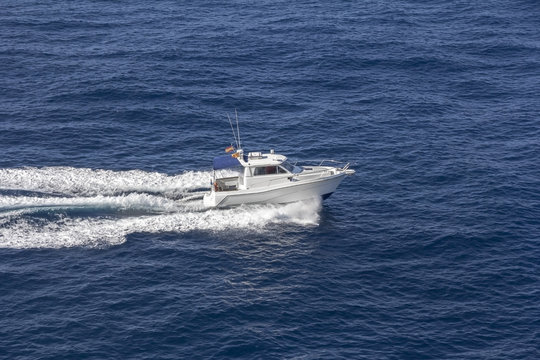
x=238 y=129
x=230 y=122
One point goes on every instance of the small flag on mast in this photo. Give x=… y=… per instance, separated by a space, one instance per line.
x=229 y=149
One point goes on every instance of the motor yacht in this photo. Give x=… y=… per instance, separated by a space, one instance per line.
x=258 y=177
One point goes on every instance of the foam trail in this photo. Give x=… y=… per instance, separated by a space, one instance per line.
x=118 y=203
x=130 y=202
x=90 y=182
x=99 y=232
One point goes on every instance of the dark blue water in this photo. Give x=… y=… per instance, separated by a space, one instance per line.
x=111 y=112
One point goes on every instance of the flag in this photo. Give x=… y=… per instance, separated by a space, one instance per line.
x=229 y=149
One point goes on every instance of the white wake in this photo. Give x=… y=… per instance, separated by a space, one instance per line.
x=64 y=207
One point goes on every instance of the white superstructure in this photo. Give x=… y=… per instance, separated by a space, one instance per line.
x=270 y=178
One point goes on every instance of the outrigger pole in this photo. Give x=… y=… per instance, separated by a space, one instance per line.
x=237 y=129
x=230 y=122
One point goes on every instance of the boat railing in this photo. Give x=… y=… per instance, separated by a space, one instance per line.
x=326 y=162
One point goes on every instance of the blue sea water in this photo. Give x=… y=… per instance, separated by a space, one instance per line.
x=111 y=113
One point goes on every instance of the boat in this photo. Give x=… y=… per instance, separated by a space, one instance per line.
x=270 y=178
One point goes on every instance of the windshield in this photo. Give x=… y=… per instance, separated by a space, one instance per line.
x=291 y=168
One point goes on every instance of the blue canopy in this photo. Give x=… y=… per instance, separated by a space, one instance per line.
x=225 y=162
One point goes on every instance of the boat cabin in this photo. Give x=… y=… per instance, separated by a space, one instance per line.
x=254 y=170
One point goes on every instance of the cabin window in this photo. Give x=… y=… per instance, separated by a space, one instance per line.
x=265 y=170
x=282 y=170
x=258 y=171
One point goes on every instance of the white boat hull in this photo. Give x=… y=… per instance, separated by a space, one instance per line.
x=279 y=194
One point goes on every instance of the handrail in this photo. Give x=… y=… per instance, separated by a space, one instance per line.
x=345 y=165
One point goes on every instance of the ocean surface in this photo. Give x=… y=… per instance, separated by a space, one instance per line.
x=112 y=111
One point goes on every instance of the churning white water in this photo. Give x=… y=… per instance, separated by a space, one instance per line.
x=63 y=207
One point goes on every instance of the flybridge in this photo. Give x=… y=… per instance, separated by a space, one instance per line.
x=255 y=155
x=252 y=159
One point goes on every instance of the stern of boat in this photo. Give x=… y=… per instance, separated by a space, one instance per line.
x=209 y=199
